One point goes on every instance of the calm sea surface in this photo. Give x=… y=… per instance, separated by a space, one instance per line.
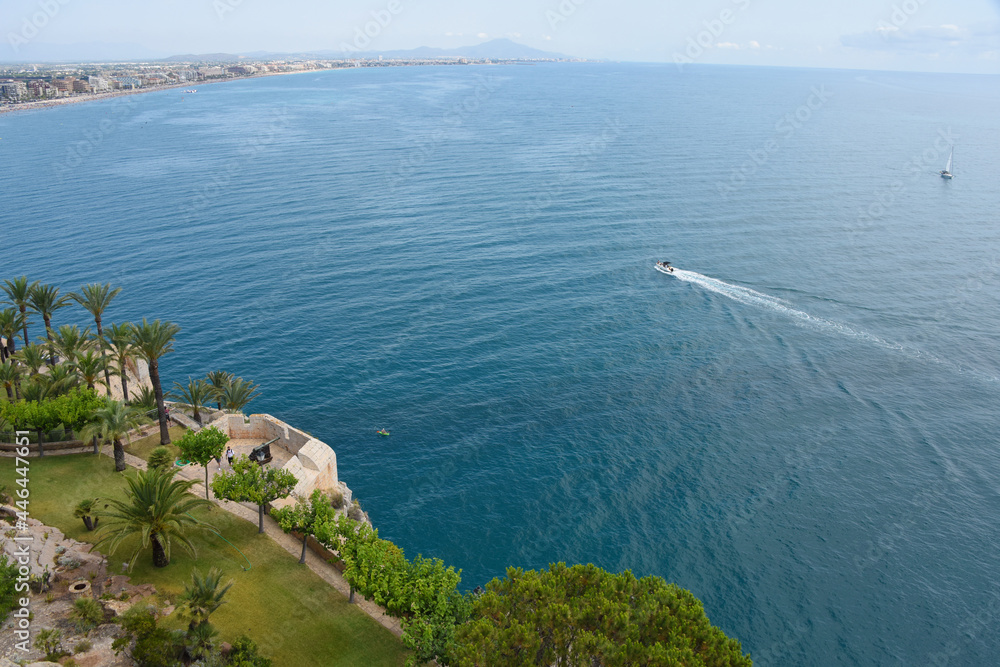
x=800 y=426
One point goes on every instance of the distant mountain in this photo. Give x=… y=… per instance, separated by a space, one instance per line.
x=499 y=49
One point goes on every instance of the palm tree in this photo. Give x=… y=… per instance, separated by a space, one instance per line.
x=145 y=399
x=203 y=596
x=88 y=368
x=152 y=341
x=156 y=511
x=219 y=380
x=70 y=341
x=18 y=294
x=238 y=393
x=122 y=352
x=45 y=300
x=95 y=298
x=194 y=395
x=9 y=380
x=11 y=322
x=113 y=423
x=86 y=509
x=200 y=640
x=59 y=380
x=32 y=357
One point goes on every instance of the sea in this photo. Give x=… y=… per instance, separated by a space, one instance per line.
x=799 y=425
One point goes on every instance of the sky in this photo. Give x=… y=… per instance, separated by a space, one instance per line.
x=914 y=35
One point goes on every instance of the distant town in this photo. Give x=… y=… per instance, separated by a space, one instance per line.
x=33 y=83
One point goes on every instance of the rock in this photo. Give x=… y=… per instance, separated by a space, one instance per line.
x=116 y=607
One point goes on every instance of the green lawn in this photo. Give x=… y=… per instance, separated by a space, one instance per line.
x=296 y=617
x=143 y=446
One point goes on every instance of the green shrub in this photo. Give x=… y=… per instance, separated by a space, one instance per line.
x=50 y=641
x=355 y=513
x=69 y=411
x=8 y=580
x=83 y=646
x=86 y=614
x=154 y=646
x=246 y=653
x=161 y=458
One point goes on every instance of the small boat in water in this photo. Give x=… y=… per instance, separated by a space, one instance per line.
x=382 y=432
x=664 y=267
x=946 y=172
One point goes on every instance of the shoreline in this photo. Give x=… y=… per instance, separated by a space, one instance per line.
x=95 y=97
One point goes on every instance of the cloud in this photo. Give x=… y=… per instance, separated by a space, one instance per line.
x=752 y=44
x=483 y=35
x=942 y=39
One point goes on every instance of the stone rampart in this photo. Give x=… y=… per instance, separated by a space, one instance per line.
x=312 y=461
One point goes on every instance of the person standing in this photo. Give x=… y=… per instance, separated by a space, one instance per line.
x=229 y=456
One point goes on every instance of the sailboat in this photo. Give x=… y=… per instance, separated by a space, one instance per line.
x=946 y=174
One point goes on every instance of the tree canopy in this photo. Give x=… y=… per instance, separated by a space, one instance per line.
x=251 y=483
x=71 y=411
x=203 y=446
x=303 y=516
x=423 y=593
x=583 y=615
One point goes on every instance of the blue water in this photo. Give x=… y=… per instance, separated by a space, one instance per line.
x=800 y=426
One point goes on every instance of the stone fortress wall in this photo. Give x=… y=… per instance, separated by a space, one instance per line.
x=312 y=461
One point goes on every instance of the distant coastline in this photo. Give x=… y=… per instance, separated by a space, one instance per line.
x=91 y=97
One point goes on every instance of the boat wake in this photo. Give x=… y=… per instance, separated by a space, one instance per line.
x=750 y=297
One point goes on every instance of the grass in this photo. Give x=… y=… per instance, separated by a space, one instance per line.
x=295 y=617
x=144 y=446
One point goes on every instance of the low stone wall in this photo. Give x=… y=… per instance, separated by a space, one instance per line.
x=313 y=462
x=48 y=446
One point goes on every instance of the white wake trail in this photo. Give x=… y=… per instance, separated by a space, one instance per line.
x=750 y=297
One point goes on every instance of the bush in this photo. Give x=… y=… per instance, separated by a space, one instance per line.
x=355 y=513
x=69 y=562
x=8 y=581
x=50 y=641
x=83 y=646
x=69 y=411
x=336 y=499
x=87 y=614
x=154 y=646
x=161 y=458
x=246 y=653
